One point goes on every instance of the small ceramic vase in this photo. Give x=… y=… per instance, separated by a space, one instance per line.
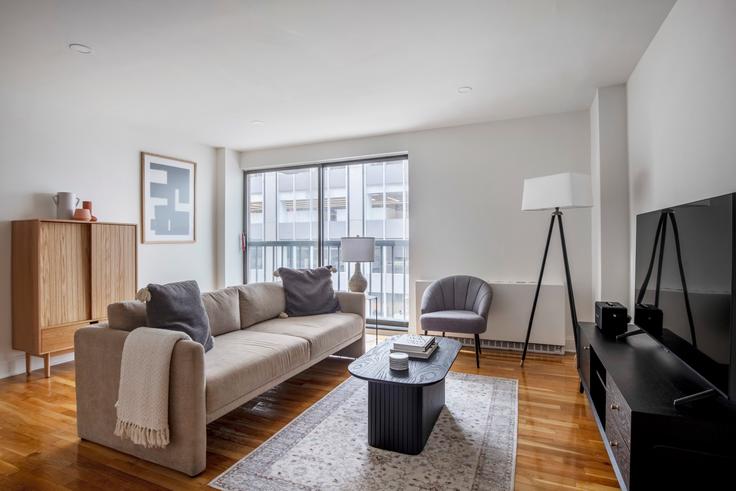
x=82 y=214
x=65 y=204
x=87 y=205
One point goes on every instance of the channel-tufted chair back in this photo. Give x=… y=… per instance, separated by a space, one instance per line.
x=458 y=293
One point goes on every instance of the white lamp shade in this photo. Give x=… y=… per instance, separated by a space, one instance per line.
x=566 y=190
x=357 y=249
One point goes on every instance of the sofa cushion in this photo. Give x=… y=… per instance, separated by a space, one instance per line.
x=223 y=310
x=260 y=302
x=245 y=360
x=308 y=291
x=178 y=307
x=126 y=316
x=323 y=331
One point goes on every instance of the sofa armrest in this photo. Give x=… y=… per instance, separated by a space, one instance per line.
x=352 y=303
x=98 y=353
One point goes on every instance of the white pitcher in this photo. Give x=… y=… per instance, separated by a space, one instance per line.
x=66 y=203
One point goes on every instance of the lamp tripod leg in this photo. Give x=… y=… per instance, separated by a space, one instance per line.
x=568 y=277
x=539 y=285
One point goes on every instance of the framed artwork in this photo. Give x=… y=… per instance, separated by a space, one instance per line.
x=167 y=199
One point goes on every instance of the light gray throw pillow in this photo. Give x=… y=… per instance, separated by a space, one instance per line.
x=223 y=310
x=308 y=291
x=260 y=302
x=126 y=316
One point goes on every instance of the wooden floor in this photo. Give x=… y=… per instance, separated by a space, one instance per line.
x=558 y=446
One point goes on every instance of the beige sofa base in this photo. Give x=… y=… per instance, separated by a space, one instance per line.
x=354 y=345
x=97 y=360
x=98 y=352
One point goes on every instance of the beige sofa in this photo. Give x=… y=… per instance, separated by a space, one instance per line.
x=254 y=351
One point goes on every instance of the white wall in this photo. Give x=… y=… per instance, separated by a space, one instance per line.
x=610 y=179
x=465 y=196
x=46 y=148
x=229 y=218
x=682 y=110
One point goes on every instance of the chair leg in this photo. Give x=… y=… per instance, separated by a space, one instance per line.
x=477 y=351
x=425 y=333
x=443 y=334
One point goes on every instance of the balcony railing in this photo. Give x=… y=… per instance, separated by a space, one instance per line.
x=388 y=278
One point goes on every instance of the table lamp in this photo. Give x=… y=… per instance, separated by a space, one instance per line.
x=555 y=192
x=357 y=250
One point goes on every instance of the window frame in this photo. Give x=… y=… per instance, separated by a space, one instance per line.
x=320 y=166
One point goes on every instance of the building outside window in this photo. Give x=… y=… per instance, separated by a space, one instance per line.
x=365 y=198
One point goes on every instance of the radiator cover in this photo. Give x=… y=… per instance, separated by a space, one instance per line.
x=509 y=316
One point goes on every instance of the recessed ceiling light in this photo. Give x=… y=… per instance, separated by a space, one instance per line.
x=257 y=122
x=464 y=90
x=80 y=48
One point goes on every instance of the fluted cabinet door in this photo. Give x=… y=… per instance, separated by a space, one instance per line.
x=113 y=266
x=64 y=273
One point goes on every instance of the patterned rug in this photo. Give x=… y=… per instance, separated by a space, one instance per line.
x=472 y=446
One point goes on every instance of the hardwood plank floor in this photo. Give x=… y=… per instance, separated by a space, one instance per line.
x=559 y=446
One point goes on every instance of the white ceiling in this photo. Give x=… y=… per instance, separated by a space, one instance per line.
x=319 y=70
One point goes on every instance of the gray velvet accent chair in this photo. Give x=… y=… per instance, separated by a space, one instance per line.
x=457 y=304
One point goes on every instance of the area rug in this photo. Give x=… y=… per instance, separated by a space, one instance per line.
x=472 y=446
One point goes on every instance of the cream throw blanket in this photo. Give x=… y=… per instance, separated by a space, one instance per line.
x=143 y=396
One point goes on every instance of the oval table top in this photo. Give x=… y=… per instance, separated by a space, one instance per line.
x=374 y=367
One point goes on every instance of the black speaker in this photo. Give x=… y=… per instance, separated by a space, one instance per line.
x=611 y=318
x=649 y=317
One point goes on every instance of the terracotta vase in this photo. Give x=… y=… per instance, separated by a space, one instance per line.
x=82 y=214
x=87 y=205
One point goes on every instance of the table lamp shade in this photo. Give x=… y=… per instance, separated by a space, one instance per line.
x=566 y=190
x=357 y=249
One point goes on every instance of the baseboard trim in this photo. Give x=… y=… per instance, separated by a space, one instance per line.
x=16 y=364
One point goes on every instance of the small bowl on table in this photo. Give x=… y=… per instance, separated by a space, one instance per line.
x=398 y=361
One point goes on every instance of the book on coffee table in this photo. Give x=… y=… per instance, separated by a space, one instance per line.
x=413 y=343
x=422 y=355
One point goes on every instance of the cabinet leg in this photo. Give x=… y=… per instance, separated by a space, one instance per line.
x=28 y=363
x=47 y=365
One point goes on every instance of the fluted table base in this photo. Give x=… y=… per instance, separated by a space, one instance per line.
x=401 y=416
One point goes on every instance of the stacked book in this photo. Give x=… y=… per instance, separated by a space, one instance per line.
x=415 y=346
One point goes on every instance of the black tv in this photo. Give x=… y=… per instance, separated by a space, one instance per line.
x=692 y=287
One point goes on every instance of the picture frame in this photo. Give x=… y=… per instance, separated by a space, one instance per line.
x=168 y=200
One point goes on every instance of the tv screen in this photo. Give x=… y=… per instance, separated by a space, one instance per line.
x=704 y=264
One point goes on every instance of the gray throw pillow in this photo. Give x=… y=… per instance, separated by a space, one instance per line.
x=178 y=307
x=308 y=291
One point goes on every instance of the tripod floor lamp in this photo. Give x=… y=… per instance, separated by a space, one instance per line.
x=555 y=192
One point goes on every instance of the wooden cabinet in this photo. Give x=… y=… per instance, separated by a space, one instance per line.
x=64 y=274
x=113 y=266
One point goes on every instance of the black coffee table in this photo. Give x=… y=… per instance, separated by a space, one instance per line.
x=403 y=406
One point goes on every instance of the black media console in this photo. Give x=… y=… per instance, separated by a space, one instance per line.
x=652 y=444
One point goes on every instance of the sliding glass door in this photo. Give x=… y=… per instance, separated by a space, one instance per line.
x=295 y=218
x=282 y=221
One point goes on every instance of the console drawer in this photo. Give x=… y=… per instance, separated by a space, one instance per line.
x=618 y=413
x=621 y=451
